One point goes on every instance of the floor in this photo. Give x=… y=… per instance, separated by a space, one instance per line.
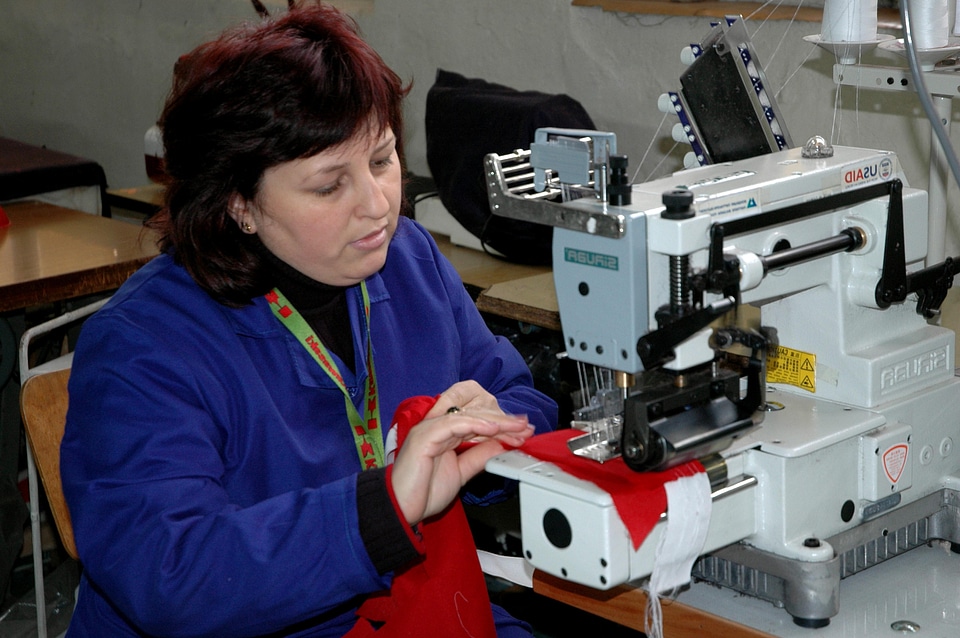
x=551 y=619
x=548 y=618
x=18 y=618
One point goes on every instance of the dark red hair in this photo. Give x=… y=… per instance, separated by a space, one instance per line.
x=260 y=95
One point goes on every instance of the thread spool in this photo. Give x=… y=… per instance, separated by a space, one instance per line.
x=931 y=23
x=849 y=21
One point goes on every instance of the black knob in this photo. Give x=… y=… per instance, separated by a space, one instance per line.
x=618 y=191
x=678 y=203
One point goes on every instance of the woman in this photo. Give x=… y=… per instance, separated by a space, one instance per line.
x=224 y=459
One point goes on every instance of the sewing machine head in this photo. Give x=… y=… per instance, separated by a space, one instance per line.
x=653 y=287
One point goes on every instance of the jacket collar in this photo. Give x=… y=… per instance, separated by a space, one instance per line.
x=256 y=319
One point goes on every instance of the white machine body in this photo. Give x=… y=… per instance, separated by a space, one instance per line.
x=865 y=427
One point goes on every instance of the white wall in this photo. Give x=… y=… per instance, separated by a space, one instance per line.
x=89 y=77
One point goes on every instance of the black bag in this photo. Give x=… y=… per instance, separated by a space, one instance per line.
x=468 y=118
x=13 y=516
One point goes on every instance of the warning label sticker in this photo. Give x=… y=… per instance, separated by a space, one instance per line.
x=792 y=367
x=894 y=460
x=739 y=202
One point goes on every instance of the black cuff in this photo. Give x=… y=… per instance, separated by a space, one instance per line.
x=383 y=532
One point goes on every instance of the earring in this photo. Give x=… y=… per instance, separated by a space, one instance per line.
x=246 y=227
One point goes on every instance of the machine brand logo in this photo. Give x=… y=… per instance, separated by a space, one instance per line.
x=886 y=169
x=908 y=371
x=587 y=258
x=869 y=172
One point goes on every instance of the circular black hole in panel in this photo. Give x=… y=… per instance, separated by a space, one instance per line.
x=557 y=528
x=847 y=511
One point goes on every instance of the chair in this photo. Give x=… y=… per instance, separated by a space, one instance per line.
x=43 y=408
x=43 y=405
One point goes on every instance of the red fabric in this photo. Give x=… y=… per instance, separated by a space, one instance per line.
x=4 y=220
x=638 y=496
x=412 y=533
x=445 y=594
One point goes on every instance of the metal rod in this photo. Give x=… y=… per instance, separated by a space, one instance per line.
x=513 y=168
x=521 y=154
x=849 y=239
x=519 y=177
x=547 y=194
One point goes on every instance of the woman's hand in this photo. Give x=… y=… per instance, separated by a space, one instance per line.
x=465 y=395
x=468 y=396
x=428 y=472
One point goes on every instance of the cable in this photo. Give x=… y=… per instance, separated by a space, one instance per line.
x=939 y=130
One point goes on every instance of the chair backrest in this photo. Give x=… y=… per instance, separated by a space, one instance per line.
x=43 y=406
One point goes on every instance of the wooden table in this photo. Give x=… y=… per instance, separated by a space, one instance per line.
x=515 y=291
x=626 y=606
x=145 y=200
x=49 y=253
x=530 y=300
x=35 y=171
x=480 y=270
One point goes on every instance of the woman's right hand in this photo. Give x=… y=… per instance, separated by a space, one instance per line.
x=428 y=472
x=467 y=396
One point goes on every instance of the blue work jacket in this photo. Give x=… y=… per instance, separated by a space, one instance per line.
x=208 y=462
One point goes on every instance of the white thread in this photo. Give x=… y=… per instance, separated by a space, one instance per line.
x=650 y=176
x=849 y=21
x=688 y=517
x=837 y=117
x=930 y=22
x=796 y=70
x=773 y=55
x=456 y=603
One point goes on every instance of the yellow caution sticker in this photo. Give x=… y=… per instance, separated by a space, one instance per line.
x=792 y=367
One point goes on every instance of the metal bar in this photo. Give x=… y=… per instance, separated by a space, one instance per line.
x=845 y=241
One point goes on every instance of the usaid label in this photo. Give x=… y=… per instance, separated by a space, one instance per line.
x=866 y=172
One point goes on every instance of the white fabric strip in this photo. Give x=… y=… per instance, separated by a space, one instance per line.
x=511 y=568
x=688 y=517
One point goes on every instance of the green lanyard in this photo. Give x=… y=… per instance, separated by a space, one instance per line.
x=366 y=430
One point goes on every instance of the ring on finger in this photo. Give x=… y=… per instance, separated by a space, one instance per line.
x=453 y=410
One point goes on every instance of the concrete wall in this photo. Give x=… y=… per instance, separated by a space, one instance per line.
x=89 y=77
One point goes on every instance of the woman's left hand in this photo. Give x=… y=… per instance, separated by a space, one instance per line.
x=467 y=396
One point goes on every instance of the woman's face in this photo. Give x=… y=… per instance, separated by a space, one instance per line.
x=332 y=215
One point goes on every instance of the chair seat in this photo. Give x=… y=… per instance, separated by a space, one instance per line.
x=43 y=404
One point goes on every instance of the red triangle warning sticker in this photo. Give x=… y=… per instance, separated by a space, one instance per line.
x=894 y=460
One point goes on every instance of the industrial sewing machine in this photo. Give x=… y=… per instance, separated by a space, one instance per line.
x=826 y=421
